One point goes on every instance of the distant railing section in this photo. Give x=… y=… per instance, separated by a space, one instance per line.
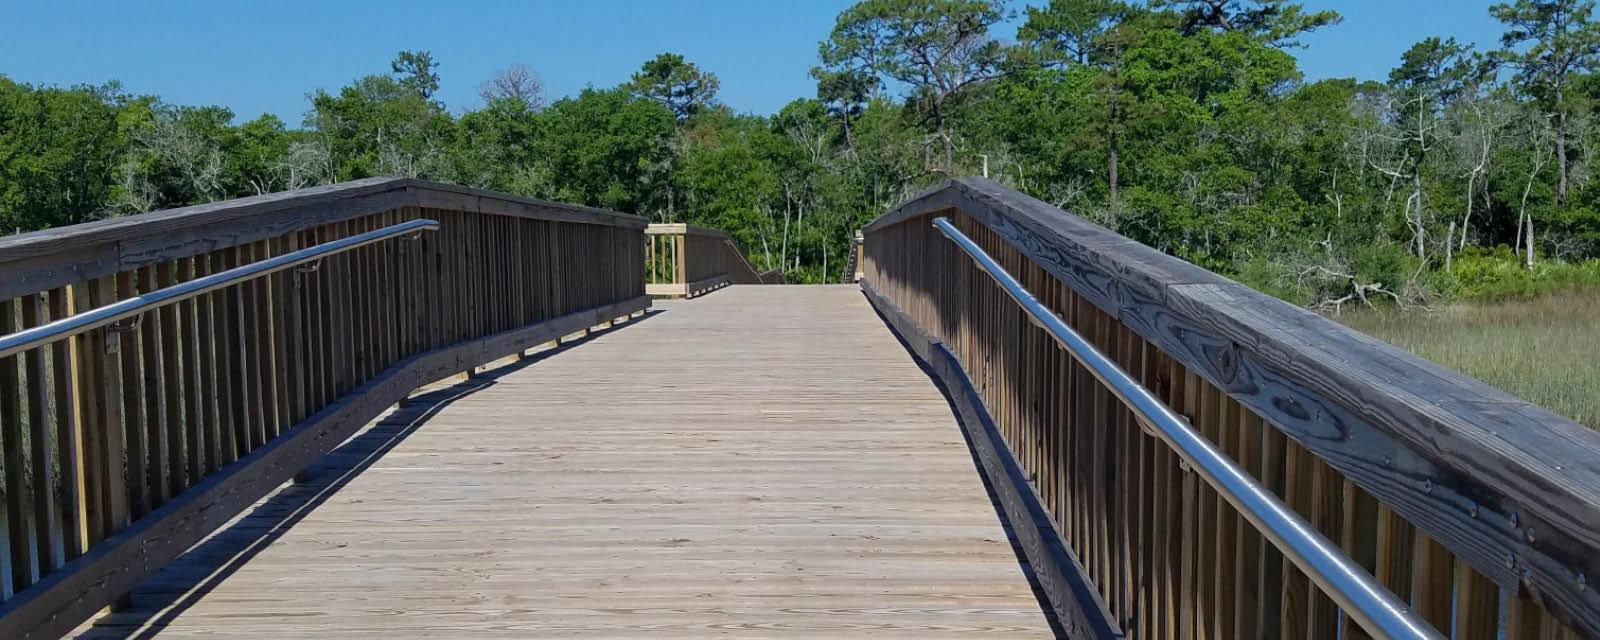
x=852 y=267
x=164 y=371
x=1474 y=508
x=683 y=260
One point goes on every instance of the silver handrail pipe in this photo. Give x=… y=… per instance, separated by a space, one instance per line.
x=102 y=316
x=1351 y=587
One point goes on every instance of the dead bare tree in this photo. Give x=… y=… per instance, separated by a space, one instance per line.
x=1536 y=136
x=1397 y=151
x=1479 y=120
x=516 y=82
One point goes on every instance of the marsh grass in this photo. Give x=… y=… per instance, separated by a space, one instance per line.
x=1545 y=350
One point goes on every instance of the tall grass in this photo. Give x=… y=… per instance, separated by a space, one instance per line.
x=1545 y=350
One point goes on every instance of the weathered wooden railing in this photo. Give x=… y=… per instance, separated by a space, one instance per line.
x=1479 y=510
x=852 y=267
x=683 y=260
x=126 y=443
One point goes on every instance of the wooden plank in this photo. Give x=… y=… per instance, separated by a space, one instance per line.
x=1206 y=422
x=1189 y=546
x=1251 y=547
x=152 y=374
x=241 y=423
x=51 y=258
x=196 y=416
x=171 y=337
x=318 y=319
x=42 y=454
x=298 y=369
x=90 y=348
x=23 y=533
x=254 y=312
x=1432 y=582
x=69 y=437
x=1225 y=579
x=268 y=321
x=1273 y=587
x=214 y=368
x=1327 y=507
x=1477 y=614
x=1169 y=487
x=1394 y=553
x=130 y=346
x=1359 y=539
x=115 y=459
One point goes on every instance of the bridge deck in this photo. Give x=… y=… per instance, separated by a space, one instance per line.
x=761 y=461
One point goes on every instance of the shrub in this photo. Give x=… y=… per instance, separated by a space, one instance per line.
x=1499 y=274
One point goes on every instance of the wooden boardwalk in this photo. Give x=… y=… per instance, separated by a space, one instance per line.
x=762 y=461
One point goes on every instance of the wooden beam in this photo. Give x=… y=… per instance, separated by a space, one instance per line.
x=42 y=260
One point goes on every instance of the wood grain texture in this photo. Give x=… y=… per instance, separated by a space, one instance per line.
x=1508 y=487
x=760 y=462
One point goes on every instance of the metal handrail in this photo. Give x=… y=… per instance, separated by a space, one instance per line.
x=1355 y=591
x=102 y=316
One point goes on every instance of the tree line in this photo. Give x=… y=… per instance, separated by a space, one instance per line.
x=1184 y=124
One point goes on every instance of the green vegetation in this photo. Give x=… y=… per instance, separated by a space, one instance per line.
x=1540 y=349
x=1184 y=124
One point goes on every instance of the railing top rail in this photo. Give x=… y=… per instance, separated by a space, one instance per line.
x=1507 y=486
x=50 y=258
x=123 y=309
x=661 y=229
x=1358 y=593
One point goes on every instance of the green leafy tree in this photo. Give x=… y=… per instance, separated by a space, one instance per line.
x=1549 y=42
x=380 y=126
x=845 y=94
x=416 y=70
x=938 y=49
x=1276 y=22
x=1066 y=32
x=59 y=150
x=601 y=148
x=1089 y=35
x=676 y=83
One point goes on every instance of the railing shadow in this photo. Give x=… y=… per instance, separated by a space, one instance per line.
x=988 y=487
x=216 y=558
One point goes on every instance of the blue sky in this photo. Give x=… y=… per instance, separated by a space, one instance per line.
x=256 y=57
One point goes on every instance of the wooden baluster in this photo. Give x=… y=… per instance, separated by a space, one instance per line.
x=1359 y=540
x=130 y=350
x=216 y=358
x=196 y=418
x=51 y=545
x=1273 y=589
x=1250 y=546
x=1433 y=581
x=22 y=533
x=1477 y=607
x=1322 y=614
x=170 y=338
x=267 y=327
x=69 y=438
x=154 y=381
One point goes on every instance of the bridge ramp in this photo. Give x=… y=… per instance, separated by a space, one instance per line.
x=761 y=461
